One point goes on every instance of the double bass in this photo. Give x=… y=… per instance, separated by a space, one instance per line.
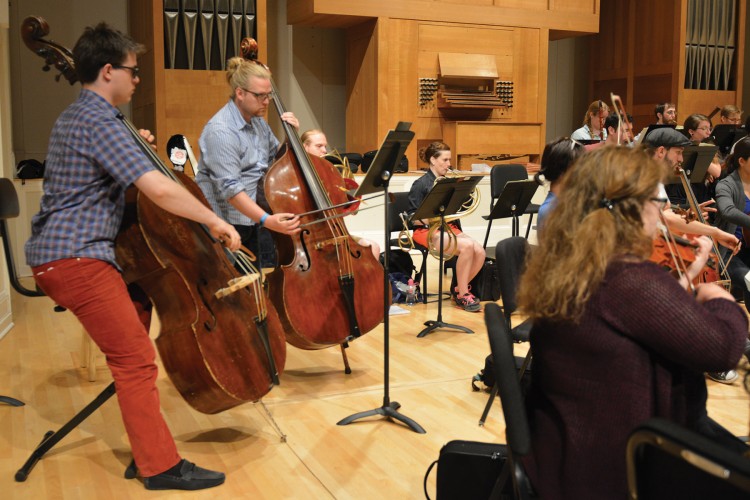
x=327 y=289
x=221 y=343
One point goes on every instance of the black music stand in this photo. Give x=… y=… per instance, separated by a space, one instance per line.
x=513 y=200
x=725 y=135
x=378 y=176
x=695 y=163
x=445 y=198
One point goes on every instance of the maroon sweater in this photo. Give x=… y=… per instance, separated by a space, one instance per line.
x=638 y=352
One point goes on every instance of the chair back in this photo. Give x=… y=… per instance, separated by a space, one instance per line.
x=9 y=208
x=501 y=174
x=510 y=255
x=398 y=205
x=506 y=378
x=665 y=460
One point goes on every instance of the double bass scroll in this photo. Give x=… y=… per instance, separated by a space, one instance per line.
x=219 y=350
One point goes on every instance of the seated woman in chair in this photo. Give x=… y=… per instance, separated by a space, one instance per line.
x=470 y=253
x=558 y=155
x=616 y=339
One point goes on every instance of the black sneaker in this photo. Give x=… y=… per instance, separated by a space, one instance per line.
x=723 y=377
x=191 y=477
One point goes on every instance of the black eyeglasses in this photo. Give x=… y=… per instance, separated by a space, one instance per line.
x=134 y=70
x=260 y=97
x=661 y=202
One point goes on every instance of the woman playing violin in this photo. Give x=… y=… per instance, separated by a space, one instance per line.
x=733 y=205
x=616 y=340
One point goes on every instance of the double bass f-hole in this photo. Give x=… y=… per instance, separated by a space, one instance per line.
x=320 y=267
x=219 y=341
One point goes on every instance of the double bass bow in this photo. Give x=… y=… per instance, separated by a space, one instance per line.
x=220 y=342
x=327 y=288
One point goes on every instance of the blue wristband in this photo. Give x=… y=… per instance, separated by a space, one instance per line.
x=262 y=220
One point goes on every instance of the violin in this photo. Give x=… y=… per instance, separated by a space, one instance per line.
x=220 y=342
x=677 y=253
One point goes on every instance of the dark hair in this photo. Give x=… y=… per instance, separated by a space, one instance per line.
x=101 y=45
x=557 y=157
x=660 y=108
x=613 y=120
x=692 y=121
x=433 y=150
x=740 y=150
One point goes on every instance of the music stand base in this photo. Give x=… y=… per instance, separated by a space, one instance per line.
x=51 y=438
x=389 y=411
x=11 y=401
x=432 y=325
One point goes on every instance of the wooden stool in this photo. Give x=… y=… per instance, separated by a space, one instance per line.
x=88 y=354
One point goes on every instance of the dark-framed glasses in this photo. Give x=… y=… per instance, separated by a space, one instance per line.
x=134 y=70
x=660 y=202
x=260 y=97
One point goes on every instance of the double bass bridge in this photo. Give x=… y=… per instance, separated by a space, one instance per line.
x=335 y=241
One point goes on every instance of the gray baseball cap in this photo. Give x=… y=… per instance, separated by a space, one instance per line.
x=667 y=137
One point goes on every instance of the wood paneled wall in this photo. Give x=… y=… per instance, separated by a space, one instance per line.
x=640 y=55
x=177 y=101
x=389 y=53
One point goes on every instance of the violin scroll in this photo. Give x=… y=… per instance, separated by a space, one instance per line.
x=33 y=31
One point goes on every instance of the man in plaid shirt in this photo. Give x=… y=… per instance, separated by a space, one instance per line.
x=92 y=158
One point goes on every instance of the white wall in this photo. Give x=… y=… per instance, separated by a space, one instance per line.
x=309 y=69
x=37 y=99
x=567 y=90
x=6 y=319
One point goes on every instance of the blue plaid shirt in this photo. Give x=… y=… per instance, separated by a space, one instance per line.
x=235 y=155
x=91 y=160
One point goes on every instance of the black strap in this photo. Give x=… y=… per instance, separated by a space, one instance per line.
x=426 y=475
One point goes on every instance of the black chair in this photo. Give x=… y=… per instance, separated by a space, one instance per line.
x=517 y=430
x=499 y=176
x=400 y=204
x=9 y=209
x=510 y=255
x=665 y=460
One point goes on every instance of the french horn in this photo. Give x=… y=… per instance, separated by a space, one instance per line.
x=451 y=245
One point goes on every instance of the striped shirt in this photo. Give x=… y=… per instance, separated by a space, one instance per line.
x=91 y=160
x=235 y=155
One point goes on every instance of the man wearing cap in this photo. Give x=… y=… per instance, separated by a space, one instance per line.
x=668 y=145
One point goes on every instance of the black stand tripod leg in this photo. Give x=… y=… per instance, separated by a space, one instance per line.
x=51 y=438
x=434 y=324
x=389 y=409
x=11 y=401
x=487 y=407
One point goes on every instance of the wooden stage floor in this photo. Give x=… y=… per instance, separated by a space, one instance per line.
x=373 y=458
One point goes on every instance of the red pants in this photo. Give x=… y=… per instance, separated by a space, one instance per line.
x=95 y=292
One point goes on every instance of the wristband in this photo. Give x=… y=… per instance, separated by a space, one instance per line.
x=263 y=218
